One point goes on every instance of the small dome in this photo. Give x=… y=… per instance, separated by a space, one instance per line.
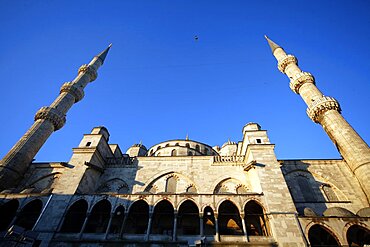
x=364 y=212
x=338 y=212
x=228 y=143
x=139 y=145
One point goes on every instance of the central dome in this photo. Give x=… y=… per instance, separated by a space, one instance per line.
x=181 y=148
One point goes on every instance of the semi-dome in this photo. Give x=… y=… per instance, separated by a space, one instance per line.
x=181 y=147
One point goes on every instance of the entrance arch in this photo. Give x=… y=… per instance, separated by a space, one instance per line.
x=321 y=236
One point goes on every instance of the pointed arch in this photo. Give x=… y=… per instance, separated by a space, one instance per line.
x=99 y=217
x=229 y=219
x=319 y=235
x=163 y=217
x=7 y=213
x=114 y=185
x=358 y=235
x=209 y=221
x=75 y=217
x=188 y=218
x=137 y=219
x=117 y=220
x=29 y=214
x=255 y=220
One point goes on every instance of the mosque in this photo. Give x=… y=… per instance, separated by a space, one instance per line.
x=182 y=192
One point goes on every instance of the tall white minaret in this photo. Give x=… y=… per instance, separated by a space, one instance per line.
x=326 y=111
x=47 y=120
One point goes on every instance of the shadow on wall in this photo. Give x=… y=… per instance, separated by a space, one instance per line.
x=310 y=196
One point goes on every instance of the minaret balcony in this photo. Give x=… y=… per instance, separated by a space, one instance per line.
x=299 y=79
x=285 y=61
x=52 y=115
x=320 y=106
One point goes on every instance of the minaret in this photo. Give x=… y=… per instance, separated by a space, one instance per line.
x=47 y=120
x=326 y=111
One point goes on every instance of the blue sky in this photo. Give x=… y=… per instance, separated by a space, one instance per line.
x=159 y=83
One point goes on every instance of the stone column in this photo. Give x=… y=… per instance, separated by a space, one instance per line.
x=216 y=228
x=326 y=111
x=84 y=225
x=149 y=227
x=174 y=235
x=47 y=120
x=244 y=227
x=109 y=223
x=201 y=227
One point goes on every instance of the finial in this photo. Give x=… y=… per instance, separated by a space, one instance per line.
x=104 y=53
x=187 y=137
x=272 y=44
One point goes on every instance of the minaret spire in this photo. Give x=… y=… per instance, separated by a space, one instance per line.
x=272 y=44
x=47 y=120
x=326 y=111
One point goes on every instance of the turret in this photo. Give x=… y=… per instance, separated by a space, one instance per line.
x=47 y=120
x=326 y=111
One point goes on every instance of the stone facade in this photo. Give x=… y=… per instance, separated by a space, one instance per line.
x=184 y=192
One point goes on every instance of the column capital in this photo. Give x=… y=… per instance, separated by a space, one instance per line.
x=285 y=61
x=320 y=106
x=70 y=87
x=299 y=79
x=85 y=68
x=53 y=115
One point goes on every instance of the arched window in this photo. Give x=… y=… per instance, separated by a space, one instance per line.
x=190 y=153
x=320 y=236
x=99 y=217
x=29 y=214
x=209 y=221
x=358 y=236
x=171 y=184
x=159 y=147
x=191 y=189
x=306 y=189
x=229 y=219
x=254 y=219
x=241 y=189
x=75 y=217
x=167 y=145
x=177 y=144
x=187 y=145
x=117 y=220
x=163 y=218
x=7 y=213
x=188 y=221
x=123 y=190
x=173 y=152
x=206 y=151
x=197 y=147
x=159 y=154
x=329 y=193
x=137 y=219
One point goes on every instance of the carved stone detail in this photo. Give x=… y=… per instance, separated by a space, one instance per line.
x=89 y=71
x=53 y=115
x=320 y=106
x=285 y=61
x=299 y=79
x=73 y=89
